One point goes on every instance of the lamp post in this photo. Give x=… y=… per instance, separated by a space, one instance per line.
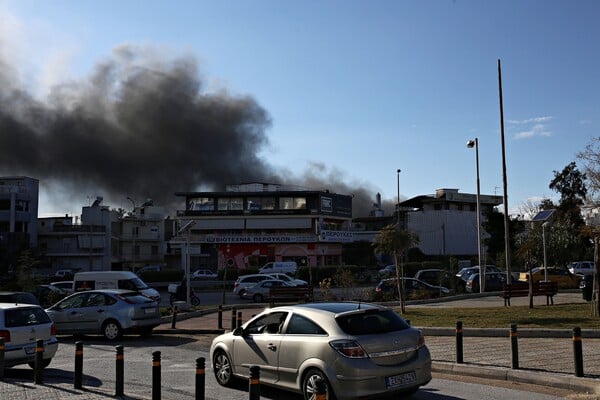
x=470 y=144
x=398 y=198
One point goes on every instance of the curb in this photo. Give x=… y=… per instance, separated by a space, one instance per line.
x=556 y=380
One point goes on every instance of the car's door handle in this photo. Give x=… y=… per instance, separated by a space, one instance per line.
x=271 y=346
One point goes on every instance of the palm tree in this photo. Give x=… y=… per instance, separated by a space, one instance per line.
x=393 y=240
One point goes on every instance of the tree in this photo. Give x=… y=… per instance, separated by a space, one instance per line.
x=393 y=240
x=591 y=165
x=591 y=160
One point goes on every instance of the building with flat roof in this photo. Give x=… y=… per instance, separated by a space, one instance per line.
x=250 y=224
x=18 y=211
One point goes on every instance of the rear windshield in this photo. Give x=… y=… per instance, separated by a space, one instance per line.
x=134 y=297
x=371 y=322
x=25 y=316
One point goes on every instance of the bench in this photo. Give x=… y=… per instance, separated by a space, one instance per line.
x=521 y=289
x=296 y=293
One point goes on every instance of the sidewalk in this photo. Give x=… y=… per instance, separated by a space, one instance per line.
x=545 y=356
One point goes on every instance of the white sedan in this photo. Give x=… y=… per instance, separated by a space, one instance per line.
x=260 y=291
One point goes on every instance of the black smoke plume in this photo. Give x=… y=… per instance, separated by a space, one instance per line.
x=142 y=127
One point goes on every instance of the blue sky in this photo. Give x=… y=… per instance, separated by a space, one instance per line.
x=362 y=87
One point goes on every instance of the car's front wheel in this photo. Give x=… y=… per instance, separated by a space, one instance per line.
x=310 y=382
x=222 y=368
x=112 y=330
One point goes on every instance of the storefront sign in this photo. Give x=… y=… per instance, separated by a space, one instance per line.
x=336 y=236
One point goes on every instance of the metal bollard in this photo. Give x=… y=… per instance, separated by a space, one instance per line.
x=77 y=377
x=577 y=352
x=233 y=318
x=173 y=317
x=239 y=319
x=120 y=371
x=39 y=360
x=320 y=390
x=514 y=346
x=200 y=378
x=459 y=342
x=254 y=383
x=2 y=358
x=156 y=375
x=220 y=316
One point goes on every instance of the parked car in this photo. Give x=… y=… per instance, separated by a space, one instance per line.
x=494 y=282
x=413 y=288
x=581 y=267
x=286 y=267
x=148 y=268
x=19 y=298
x=561 y=276
x=438 y=277
x=49 y=294
x=260 y=291
x=245 y=281
x=289 y=279
x=465 y=273
x=203 y=274
x=109 y=312
x=388 y=270
x=64 y=273
x=20 y=326
x=67 y=286
x=358 y=349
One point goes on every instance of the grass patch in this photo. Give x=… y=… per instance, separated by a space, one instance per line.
x=560 y=316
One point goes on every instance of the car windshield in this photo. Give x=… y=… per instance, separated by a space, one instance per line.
x=371 y=322
x=25 y=316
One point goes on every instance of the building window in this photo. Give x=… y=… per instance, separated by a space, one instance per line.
x=437 y=207
x=135 y=230
x=136 y=250
x=154 y=250
x=268 y=203
x=236 y=203
x=201 y=204
x=292 y=203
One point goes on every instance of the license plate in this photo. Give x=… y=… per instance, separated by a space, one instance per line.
x=401 y=380
x=150 y=310
x=29 y=349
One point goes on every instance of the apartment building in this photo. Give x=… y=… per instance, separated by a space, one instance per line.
x=18 y=211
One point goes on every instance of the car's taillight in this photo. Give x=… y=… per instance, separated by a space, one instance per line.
x=378 y=289
x=348 y=348
x=53 y=330
x=5 y=335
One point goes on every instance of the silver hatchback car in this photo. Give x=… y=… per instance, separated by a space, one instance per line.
x=109 y=312
x=360 y=350
x=21 y=325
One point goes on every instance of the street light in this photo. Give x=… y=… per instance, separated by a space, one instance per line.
x=471 y=144
x=398 y=198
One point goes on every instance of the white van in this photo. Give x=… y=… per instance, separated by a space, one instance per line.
x=113 y=280
x=286 y=267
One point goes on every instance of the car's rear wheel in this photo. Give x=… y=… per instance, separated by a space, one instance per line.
x=222 y=368
x=112 y=330
x=258 y=298
x=45 y=363
x=309 y=385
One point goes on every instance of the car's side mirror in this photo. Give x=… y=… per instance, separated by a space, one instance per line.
x=239 y=331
